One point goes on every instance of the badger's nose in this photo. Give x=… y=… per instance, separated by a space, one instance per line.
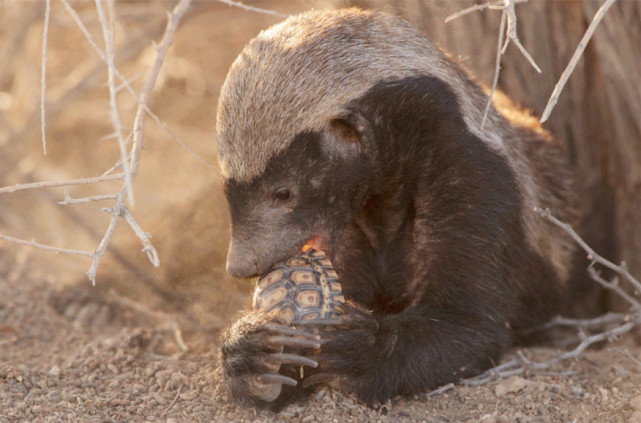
x=240 y=262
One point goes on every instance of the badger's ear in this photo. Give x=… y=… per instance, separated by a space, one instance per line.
x=344 y=136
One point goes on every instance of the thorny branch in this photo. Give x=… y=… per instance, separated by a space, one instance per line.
x=522 y=365
x=125 y=84
x=33 y=185
x=43 y=81
x=509 y=13
x=129 y=163
x=575 y=59
x=252 y=8
x=612 y=325
x=592 y=255
x=508 y=16
x=109 y=36
x=46 y=247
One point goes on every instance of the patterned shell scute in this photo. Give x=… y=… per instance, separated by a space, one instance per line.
x=301 y=287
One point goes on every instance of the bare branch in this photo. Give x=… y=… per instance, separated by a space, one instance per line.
x=43 y=83
x=133 y=161
x=108 y=36
x=600 y=321
x=623 y=323
x=613 y=286
x=440 y=390
x=512 y=35
x=622 y=269
x=558 y=88
x=508 y=15
x=489 y=5
x=127 y=86
x=35 y=244
x=175 y=398
x=33 y=185
x=497 y=68
x=161 y=52
x=106 y=239
x=626 y=353
x=522 y=365
x=252 y=8
x=69 y=200
x=148 y=248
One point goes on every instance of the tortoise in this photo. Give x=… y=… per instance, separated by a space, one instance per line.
x=301 y=287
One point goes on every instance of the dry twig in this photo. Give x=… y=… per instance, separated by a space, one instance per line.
x=600 y=321
x=522 y=365
x=615 y=324
x=128 y=162
x=252 y=8
x=46 y=247
x=174 y=401
x=83 y=181
x=125 y=84
x=575 y=59
x=592 y=255
x=508 y=16
x=626 y=353
x=497 y=68
x=69 y=200
x=43 y=82
x=109 y=36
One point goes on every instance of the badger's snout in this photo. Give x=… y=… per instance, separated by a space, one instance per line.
x=241 y=263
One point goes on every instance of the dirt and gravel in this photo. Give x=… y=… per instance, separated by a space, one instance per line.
x=73 y=355
x=142 y=345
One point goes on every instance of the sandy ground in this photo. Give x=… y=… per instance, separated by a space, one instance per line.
x=73 y=353
x=70 y=355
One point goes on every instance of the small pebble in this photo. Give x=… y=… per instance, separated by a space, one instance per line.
x=636 y=403
x=54 y=396
x=604 y=393
x=509 y=386
x=160 y=399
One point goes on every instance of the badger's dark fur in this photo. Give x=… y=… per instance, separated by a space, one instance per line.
x=352 y=127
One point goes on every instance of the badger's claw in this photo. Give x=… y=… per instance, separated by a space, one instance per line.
x=347 y=343
x=268 y=378
x=288 y=330
x=294 y=342
x=260 y=358
x=285 y=358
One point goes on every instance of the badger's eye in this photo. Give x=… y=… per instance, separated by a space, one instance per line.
x=282 y=195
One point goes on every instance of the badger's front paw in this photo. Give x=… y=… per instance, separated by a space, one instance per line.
x=259 y=356
x=353 y=348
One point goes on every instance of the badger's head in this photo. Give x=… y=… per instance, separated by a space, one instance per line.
x=297 y=154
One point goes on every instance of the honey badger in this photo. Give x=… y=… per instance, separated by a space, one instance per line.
x=351 y=129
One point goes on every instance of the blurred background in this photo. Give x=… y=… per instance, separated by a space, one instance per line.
x=179 y=200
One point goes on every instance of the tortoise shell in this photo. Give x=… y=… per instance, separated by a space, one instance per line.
x=304 y=286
